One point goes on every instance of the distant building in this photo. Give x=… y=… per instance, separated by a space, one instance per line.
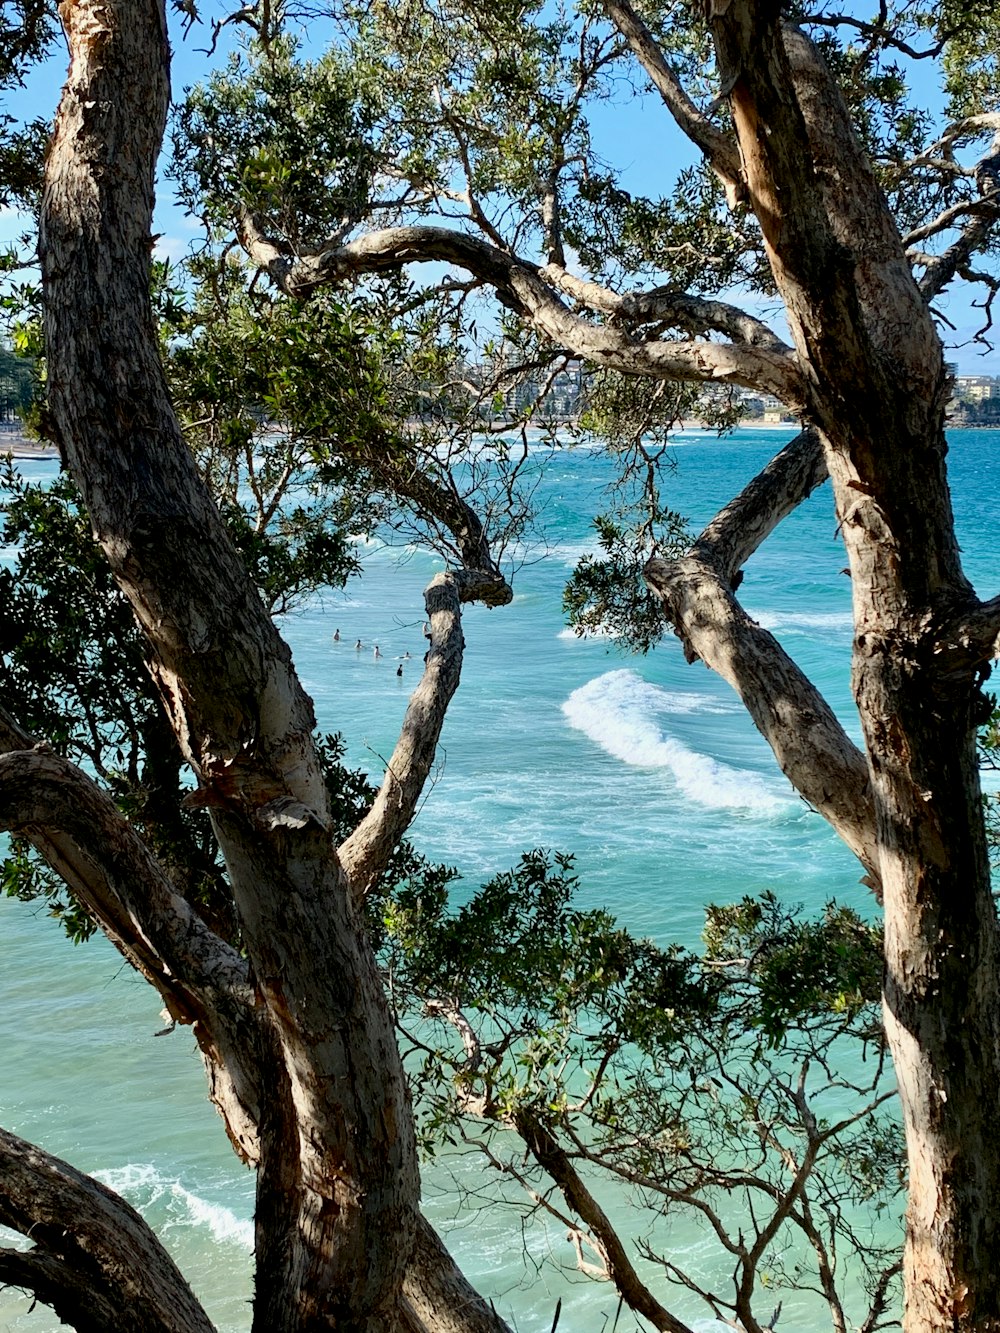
x=976 y=401
x=976 y=388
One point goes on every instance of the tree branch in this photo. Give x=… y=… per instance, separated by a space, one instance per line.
x=365 y=853
x=555 y=1161
x=811 y=747
x=694 y=314
x=87 y=841
x=940 y=269
x=878 y=34
x=521 y=286
x=983 y=209
x=84 y=837
x=968 y=639
x=95 y=1262
x=722 y=154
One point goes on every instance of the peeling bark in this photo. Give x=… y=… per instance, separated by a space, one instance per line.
x=867 y=345
x=521 y=286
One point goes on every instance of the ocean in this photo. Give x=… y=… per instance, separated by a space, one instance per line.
x=646 y=768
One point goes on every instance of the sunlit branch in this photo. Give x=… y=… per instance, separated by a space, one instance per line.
x=94 y=1260
x=811 y=746
x=720 y=151
x=521 y=287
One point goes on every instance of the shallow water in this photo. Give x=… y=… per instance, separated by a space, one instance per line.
x=648 y=769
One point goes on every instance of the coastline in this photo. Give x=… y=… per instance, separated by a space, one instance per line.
x=16 y=445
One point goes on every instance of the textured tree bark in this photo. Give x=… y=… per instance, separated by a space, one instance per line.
x=869 y=350
x=336 y=1130
x=94 y=1261
x=523 y=287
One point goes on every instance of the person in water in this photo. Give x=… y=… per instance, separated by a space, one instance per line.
x=358 y=646
x=336 y=636
x=399 y=669
x=377 y=653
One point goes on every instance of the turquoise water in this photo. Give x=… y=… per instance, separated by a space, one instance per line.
x=647 y=769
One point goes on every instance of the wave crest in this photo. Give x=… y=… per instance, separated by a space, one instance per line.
x=619 y=710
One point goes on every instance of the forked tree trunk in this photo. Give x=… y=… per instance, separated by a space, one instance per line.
x=878 y=391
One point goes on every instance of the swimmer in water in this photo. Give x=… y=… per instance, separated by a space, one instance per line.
x=399 y=669
x=336 y=636
x=377 y=653
x=358 y=646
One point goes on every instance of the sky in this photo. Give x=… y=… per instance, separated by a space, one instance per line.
x=639 y=138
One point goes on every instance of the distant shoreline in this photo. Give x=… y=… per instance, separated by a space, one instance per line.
x=16 y=445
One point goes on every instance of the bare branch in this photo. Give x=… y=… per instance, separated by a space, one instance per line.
x=940 y=154
x=721 y=153
x=879 y=34
x=813 y=750
x=985 y=212
x=84 y=838
x=940 y=269
x=95 y=1261
x=521 y=286
x=694 y=314
x=366 y=851
x=985 y=209
x=553 y=1159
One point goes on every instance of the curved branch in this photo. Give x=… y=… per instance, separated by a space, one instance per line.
x=940 y=154
x=940 y=269
x=521 y=286
x=984 y=209
x=84 y=837
x=722 y=154
x=695 y=314
x=399 y=473
x=365 y=853
x=877 y=32
x=95 y=1262
x=811 y=746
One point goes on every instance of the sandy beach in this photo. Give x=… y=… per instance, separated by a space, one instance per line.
x=16 y=445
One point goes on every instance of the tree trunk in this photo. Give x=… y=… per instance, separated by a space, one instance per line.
x=878 y=389
x=338 y=1186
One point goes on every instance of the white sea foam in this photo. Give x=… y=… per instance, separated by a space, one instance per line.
x=144 y=1187
x=619 y=711
x=826 y=620
x=222 y=1222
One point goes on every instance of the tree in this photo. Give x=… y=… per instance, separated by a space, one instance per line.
x=845 y=186
x=295 y=1028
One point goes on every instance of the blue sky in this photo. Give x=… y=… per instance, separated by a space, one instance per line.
x=639 y=138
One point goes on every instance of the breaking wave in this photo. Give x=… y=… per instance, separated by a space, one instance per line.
x=620 y=712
